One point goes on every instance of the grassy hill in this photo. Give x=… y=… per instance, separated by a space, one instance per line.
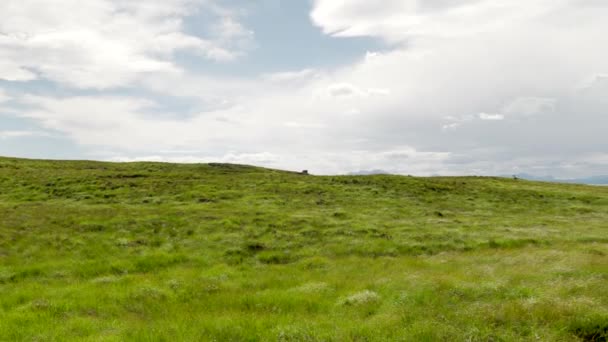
x=161 y=252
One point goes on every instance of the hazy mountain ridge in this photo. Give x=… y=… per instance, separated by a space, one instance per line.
x=594 y=180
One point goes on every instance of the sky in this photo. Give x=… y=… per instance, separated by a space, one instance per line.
x=421 y=87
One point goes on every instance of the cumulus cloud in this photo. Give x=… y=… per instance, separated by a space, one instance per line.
x=129 y=124
x=521 y=62
x=12 y=71
x=115 y=122
x=429 y=103
x=398 y=20
x=103 y=43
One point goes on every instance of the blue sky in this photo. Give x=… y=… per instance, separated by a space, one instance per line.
x=285 y=39
x=449 y=87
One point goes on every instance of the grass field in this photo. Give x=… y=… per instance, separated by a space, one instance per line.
x=94 y=251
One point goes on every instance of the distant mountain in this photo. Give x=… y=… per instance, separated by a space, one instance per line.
x=595 y=180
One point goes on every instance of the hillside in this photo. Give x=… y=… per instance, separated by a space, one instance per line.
x=162 y=252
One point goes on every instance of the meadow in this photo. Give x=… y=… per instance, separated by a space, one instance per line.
x=93 y=251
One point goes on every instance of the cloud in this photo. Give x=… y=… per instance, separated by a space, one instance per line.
x=491 y=117
x=3 y=96
x=349 y=90
x=104 y=43
x=114 y=122
x=398 y=20
x=450 y=126
x=291 y=76
x=295 y=124
x=423 y=105
x=261 y=158
x=11 y=71
x=530 y=106
x=344 y=90
x=132 y=124
x=410 y=153
x=4 y=135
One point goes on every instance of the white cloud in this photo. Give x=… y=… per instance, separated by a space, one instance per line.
x=11 y=71
x=22 y=134
x=593 y=81
x=344 y=90
x=410 y=153
x=129 y=124
x=461 y=63
x=103 y=43
x=291 y=76
x=116 y=122
x=397 y=20
x=3 y=96
x=529 y=106
x=491 y=117
x=230 y=33
x=349 y=90
x=295 y=124
x=261 y=158
x=450 y=126
x=600 y=158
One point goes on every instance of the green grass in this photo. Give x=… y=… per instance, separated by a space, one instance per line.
x=94 y=251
